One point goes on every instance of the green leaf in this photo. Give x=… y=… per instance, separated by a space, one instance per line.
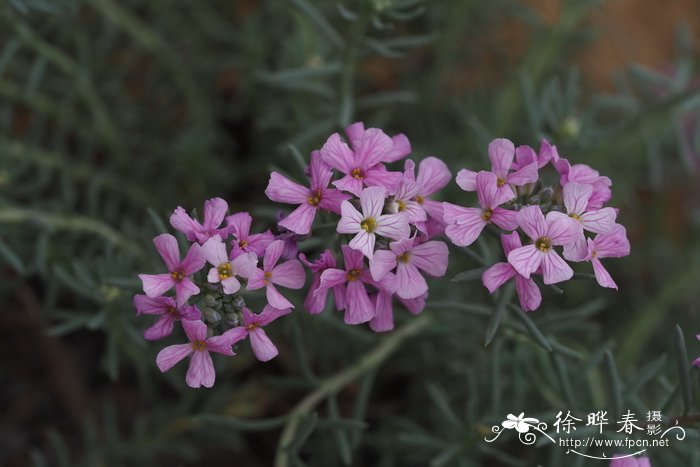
x=469 y=275
x=683 y=369
x=614 y=385
x=497 y=316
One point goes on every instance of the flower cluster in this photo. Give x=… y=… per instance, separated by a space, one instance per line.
x=519 y=200
x=388 y=222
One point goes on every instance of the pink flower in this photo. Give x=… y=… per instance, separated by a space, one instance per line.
x=156 y=285
x=404 y=201
x=371 y=221
x=581 y=173
x=465 y=224
x=201 y=369
x=169 y=313
x=358 y=306
x=283 y=190
x=239 y=224
x=400 y=148
x=289 y=274
x=613 y=244
x=263 y=348
x=361 y=165
x=576 y=196
x=409 y=259
x=433 y=176
x=525 y=155
x=383 y=320
x=501 y=153
x=556 y=229
x=528 y=293
x=316 y=302
x=624 y=460
x=214 y=212
x=225 y=270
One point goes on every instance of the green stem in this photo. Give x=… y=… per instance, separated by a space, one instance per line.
x=335 y=383
x=348 y=76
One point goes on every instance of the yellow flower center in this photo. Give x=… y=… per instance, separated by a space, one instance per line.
x=500 y=182
x=315 y=199
x=401 y=205
x=177 y=275
x=575 y=216
x=357 y=173
x=543 y=244
x=243 y=244
x=353 y=275
x=368 y=225
x=404 y=257
x=267 y=276
x=419 y=199
x=487 y=214
x=225 y=270
x=199 y=345
x=252 y=326
x=172 y=311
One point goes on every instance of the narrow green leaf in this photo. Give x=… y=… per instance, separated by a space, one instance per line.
x=613 y=383
x=469 y=275
x=239 y=424
x=530 y=325
x=683 y=369
x=317 y=18
x=501 y=305
x=11 y=257
x=441 y=402
x=157 y=221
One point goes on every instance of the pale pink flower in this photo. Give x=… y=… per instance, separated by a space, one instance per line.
x=317 y=196
x=201 y=370
x=556 y=229
x=433 y=176
x=371 y=222
x=225 y=270
x=624 y=460
x=409 y=258
x=529 y=294
x=576 y=196
x=214 y=212
x=613 y=244
x=316 y=302
x=289 y=274
x=525 y=155
x=404 y=201
x=400 y=145
x=582 y=173
x=383 y=320
x=501 y=153
x=262 y=346
x=167 y=309
x=156 y=285
x=239 y=225
x=464 y=225
x=362 y=165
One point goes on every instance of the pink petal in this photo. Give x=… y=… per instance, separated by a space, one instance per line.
x=214 y=251
x=240 y=224
x=602 y=275
x=168 y=249
x=315 y=302
x=524 y=155
x=510 y=242
x=201 y=371
x=381 y=263
x=152 y=305
x=505 y=218
x=433 y=175
x=224 y=342
x=172 y=355
x=469 y=227
x=355 y=132
x=576 y=197
x=331 y=278
x=577 y=251
x=358 y=307
x=401 y=147
x=523 y=176
x=378 y=176
x=272 y=254
x=269 y=314
x=554 y=268
x=194 y=260
x=532 y=221
x=276 y=300
x=383 y=320
x=415 y=305
x=155 y=285
x=256 y=280
x=562 y=229
x=372 y=147
x=525 y=259
x=263 y=348
x=528 y=293
x=161 y=328
x=299 y=221
x=430 y=257
x=184 y=289
x=214 y=213
x=613 y=244
x=501 y=153
x=350 y=184
x=466 y=179
x=258 y=243
x=352 y=259
x=319 y=172
x=182 y=222
x=486 y=189
x=231 y=285
x=600 y=221
x=283 y=190
x=195 y=329
x=363 y=242
x=410 y=283
x=289 y=274
x=244 y=265
x=331 y=200
x=504 y=194
x=497 y=275
x=372 y=201
x=337 y=154
x=394 y=226
x=350 y=219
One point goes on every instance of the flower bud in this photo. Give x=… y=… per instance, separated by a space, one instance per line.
x=211 y=315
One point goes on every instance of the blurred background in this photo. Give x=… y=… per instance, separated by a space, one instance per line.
x=112 y=113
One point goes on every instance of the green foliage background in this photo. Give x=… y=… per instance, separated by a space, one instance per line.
x=113 y=113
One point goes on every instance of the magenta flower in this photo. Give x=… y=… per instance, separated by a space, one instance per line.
x=409 y=258
x=263 y=348
x=556 y=229
x=581 y=173
x=501 y=153
x=214 y=212
x=156 y=285
x=464 y=225
x=404 y=201
x=383 y=320
x=433 y=176
x=576 y=196
x=289 y=274
x=529 y=294
x=168 y=311
x=239 y=225
x=316 y=302
x=361 y=165
x=201 y=370
x=613 y=244
x=400 y=147
x=525 y=155
x=283 y=190
x=225 y=270
x=371 y=221
x=358 y=306
x=624 y=460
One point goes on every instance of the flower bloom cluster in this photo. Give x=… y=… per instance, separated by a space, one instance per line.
x=518 y=200
x=387 y=221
